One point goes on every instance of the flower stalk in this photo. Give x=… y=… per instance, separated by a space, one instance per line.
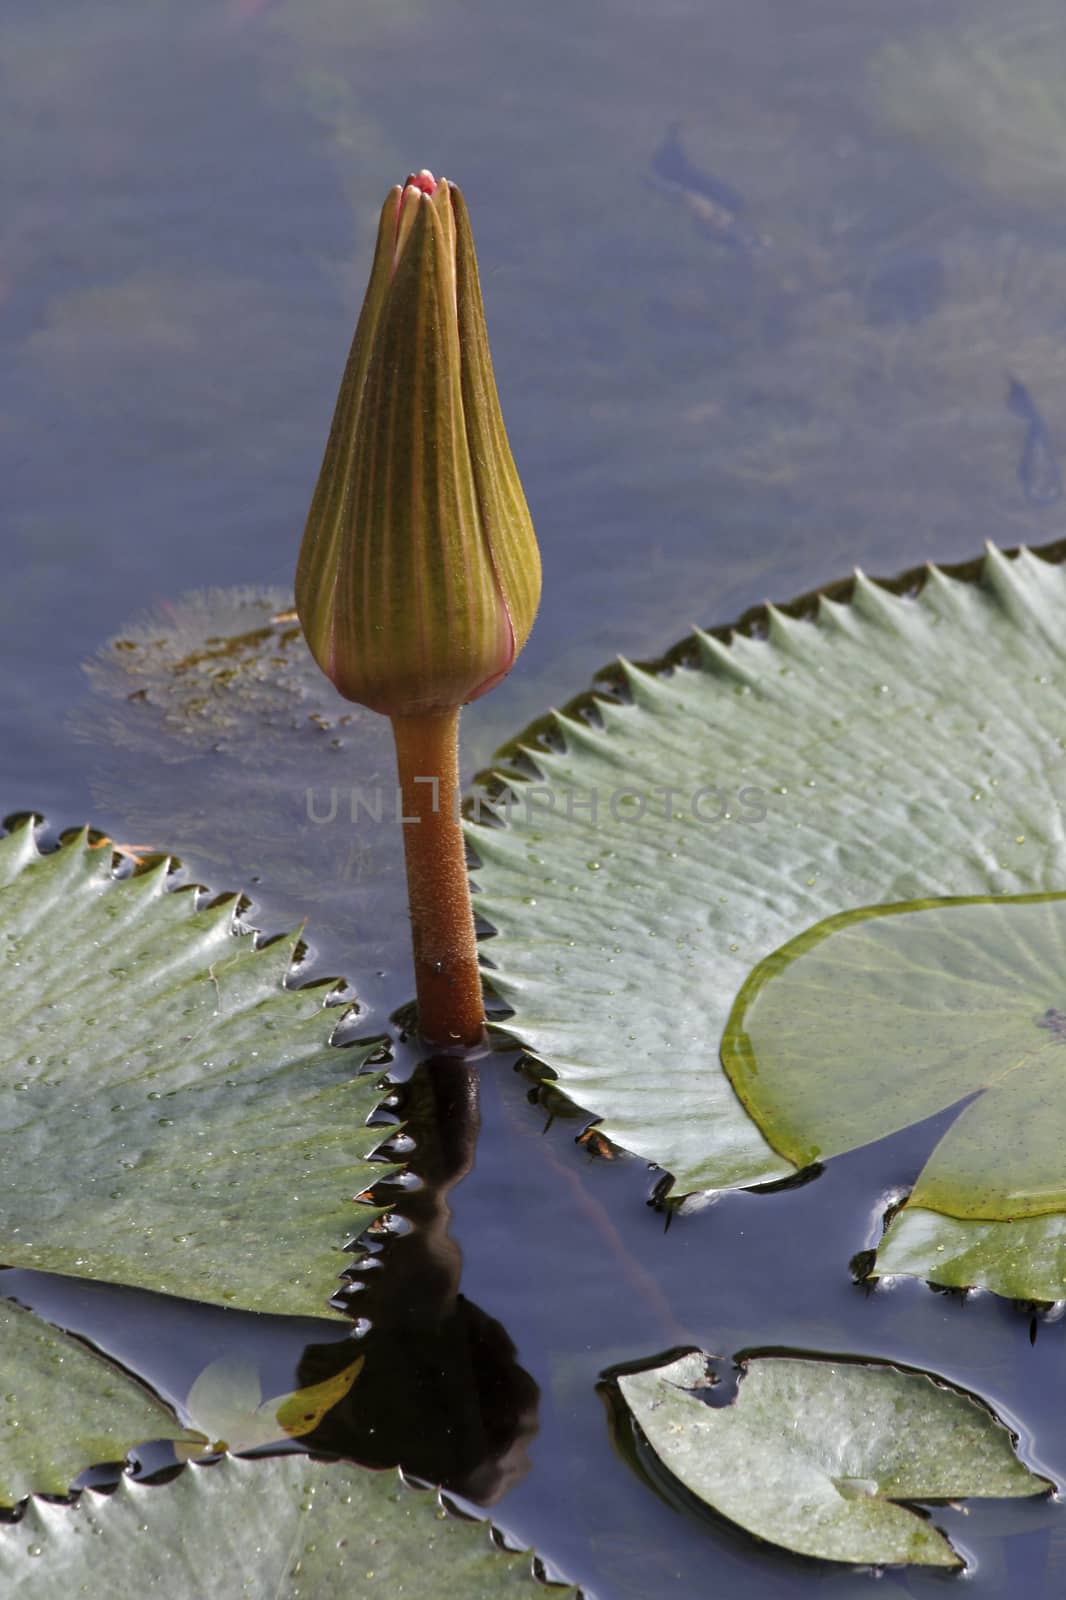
x=419 y=576
x=447 y=980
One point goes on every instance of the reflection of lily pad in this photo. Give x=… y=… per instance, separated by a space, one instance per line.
x=175 y=1118
x=64 y=1410
x=288 y=1526
x=893 y=748
x=876 y=1019
x=226 y=1405
x=816 y=1455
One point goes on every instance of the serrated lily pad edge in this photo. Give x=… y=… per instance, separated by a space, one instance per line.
x=28 y=842
x=516 y=766
x=43 y=1517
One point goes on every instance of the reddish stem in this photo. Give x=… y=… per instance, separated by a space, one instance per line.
x=447 y=979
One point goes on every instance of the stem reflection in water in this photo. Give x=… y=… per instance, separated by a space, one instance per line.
x=441 y=1375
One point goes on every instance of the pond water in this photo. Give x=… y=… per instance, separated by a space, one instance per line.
x=774 y=290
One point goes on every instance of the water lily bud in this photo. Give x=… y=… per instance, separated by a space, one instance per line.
x=419 y=574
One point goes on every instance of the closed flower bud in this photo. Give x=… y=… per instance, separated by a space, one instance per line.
x=419 y=575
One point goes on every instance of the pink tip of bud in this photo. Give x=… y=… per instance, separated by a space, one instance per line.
x=423 y=180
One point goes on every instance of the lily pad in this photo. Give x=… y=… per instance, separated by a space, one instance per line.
x=878 y=748
x=44 y=1443
x=816 y=1455
x=174 y=1117
x=876 y=1019
x=287 y=1526
x=227 y=1407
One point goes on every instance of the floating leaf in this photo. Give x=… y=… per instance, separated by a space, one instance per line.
x=47 y=1441
x=815 y=1455
x=174 y=1118
x=876 y=1019
x=893 y=747
x=226 y=1405
x=283 y=1526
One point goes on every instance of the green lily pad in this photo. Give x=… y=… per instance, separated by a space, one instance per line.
x=815 y=1455
x=227 y=1407
x=883 y=747
x=46 y=1443
x=174 y=1117
x=287 y=1526
x=875 y=1019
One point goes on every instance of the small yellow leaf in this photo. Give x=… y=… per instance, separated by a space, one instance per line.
x=302 y=1411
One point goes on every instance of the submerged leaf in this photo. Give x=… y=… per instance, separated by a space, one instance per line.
x=286 y=1526
x=280 y=778
x=815 y=1455
x=174 y=1117
x=226 y=1405
x=223 y=671
x=895 y=747
x=64 y=1409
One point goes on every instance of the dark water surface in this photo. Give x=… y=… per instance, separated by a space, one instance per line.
x=775 y=289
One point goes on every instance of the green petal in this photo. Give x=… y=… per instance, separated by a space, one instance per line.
x=321 y=549
x=507 y=525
